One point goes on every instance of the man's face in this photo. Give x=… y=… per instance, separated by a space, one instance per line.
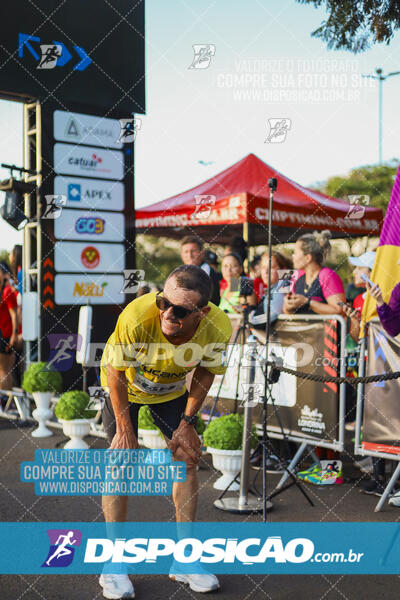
x=170 y=325
x=265 y=270
x=191 y=255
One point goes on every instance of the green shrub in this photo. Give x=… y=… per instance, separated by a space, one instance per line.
x=38 y=379
x=145 y=418
x=225 y=433
x=73 y=405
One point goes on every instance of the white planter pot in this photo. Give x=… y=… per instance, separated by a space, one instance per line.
x=151 y=439
x=76 y=429
x=42 y=413
x=229 y=463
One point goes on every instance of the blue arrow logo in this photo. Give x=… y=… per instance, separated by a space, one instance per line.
x=23 y=40
x=85 y=62
x=65 y=55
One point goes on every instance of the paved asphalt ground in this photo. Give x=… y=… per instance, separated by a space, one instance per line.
x=333 y=503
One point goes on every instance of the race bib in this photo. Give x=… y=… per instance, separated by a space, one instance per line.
x=156 y=388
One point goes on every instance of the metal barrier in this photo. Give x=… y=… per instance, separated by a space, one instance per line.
x=304 y=407
x=359 y=445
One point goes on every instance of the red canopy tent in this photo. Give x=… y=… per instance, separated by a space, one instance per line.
x=236 y=202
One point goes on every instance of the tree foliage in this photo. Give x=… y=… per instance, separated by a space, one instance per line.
x=375 y=181
x=355 y=25
x=157 y=257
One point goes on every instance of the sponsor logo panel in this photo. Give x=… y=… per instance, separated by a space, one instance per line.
x=86 y=129
x=90 y=193
x=88 y=161
x=89 y=225
x=80 y=257
x=81 y=288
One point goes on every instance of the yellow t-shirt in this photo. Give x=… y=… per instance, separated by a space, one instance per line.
x=154 y=368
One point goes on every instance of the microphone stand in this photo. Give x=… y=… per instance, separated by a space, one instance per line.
x=272 y=376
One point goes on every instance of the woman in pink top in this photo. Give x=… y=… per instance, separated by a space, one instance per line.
x=314 y=288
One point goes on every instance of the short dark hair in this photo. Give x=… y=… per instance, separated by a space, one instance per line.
x=194 y=278
x=192 y=239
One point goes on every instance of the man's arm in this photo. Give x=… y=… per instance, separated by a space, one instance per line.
x=185 y=436
x=125 y=437
x=201 y=383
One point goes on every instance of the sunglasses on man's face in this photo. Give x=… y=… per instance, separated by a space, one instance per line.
x=180 y=312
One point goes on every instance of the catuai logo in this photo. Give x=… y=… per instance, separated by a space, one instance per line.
x=93 y=225
x=62 y=547
x=88 y=164
x=90 y=257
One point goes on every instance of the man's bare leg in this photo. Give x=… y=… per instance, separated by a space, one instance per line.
x=184 y=494
x=114 y=508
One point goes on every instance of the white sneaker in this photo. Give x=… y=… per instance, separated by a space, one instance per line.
x=198 y=582
x=116 y=586
x=395 y=499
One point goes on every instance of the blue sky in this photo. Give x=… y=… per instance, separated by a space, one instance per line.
x=221 y=113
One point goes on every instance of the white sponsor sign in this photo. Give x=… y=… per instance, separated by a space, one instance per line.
x=95 y=289
x=88 y=161
x=284 y=392
x=89 y=225
x=86 y=129
x=89 y=257
x=90 y=193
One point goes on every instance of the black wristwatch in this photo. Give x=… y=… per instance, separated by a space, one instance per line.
x=190 y=420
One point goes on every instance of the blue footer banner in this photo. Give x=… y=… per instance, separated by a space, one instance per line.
x=221 y=548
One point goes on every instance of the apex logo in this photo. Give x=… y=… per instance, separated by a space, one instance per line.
x=62 y=547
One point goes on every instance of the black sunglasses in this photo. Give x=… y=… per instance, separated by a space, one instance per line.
x=180 y=312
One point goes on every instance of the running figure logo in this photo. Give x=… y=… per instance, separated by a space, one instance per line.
x=203 y=54
x=50 y=54
x=62 y=547
x=54 y=206
x=133 y=278
x=203 y=207
x=357 y=206
x=62 y=349
x=278 y=129
x=129 y=129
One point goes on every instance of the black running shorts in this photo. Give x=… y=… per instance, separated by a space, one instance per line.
x=166 y=415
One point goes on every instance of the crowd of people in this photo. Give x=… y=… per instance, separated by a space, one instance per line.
x=300 y=284
x=313 y=287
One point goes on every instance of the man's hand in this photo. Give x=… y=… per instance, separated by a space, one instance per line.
x=185 y=444
x=124 y=439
